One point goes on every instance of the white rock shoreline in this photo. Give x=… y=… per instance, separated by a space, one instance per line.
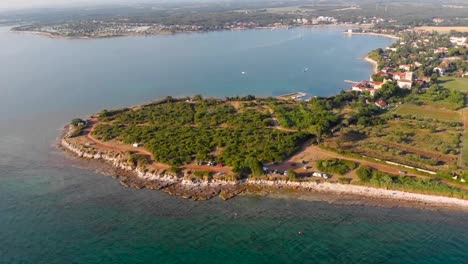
x=116 y=160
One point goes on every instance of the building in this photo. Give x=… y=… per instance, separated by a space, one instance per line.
x=460 y=41
x=369 y=86
x=440 y=70
x=381 y=104
x=382 y=74
x=387 y=69
x=398 y=76
x=405 y=84
x=406 y=67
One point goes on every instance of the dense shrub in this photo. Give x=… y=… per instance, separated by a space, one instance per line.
x=377 y=178
x=336 y=166
x=178 y=133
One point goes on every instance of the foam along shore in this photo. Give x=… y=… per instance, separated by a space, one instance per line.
x=183 y=185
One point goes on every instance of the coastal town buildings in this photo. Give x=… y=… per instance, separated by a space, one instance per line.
x=370 y=86
x=460 y=41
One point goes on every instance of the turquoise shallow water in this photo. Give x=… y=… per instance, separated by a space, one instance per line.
x=52 y=210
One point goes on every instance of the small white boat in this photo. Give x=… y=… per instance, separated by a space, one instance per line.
x=243 y=73
x=306 y=69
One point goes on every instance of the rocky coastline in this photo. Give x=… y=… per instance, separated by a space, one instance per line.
x=182 y=184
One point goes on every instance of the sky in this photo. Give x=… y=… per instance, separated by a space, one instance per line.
x=15 y=4
x=8 y=4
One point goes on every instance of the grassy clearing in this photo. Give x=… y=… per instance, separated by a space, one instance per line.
x=460 y=84
x=432 y=144
x=426 y=111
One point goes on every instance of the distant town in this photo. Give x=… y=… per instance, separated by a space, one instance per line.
x=124 y=27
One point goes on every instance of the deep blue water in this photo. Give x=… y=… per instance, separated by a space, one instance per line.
x=52 y=210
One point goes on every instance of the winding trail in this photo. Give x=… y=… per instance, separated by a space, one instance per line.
x=113 y=146
x=463 y=161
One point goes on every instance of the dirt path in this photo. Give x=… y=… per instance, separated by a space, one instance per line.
x=463 y=161
x=276 y=124
x=314 y=153
x=148 y=155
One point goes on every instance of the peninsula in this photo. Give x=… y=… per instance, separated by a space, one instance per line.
x=401 y=135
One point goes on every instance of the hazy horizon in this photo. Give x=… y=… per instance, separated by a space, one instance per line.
x=26 y=4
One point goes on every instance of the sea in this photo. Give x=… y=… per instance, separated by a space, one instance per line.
x=57 y=209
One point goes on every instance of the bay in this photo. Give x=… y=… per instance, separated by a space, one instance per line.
x=54 y=210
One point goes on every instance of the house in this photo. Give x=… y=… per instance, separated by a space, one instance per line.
x=406 y=67
x=378 y=85
x=404 y=79
x=440 y=70
x=397 y=76
x=387 y=69
x=381 y=104
x=405 y=84
x=382 y=74
x=369 y=86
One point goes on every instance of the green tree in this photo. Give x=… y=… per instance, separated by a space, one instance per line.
x=364 y=173
x=255 y=166
x=292 y=175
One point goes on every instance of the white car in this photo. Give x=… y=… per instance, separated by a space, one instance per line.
x=317 y=174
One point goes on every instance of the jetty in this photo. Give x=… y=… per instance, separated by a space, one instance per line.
x=293 y=96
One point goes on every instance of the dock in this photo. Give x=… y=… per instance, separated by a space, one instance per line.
x=292 y=96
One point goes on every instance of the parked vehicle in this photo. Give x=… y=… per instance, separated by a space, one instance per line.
x=317 y=174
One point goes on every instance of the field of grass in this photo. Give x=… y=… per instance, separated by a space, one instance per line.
x=427 y=111
x=460 y=84
x=442 y=29
x=415 y=141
